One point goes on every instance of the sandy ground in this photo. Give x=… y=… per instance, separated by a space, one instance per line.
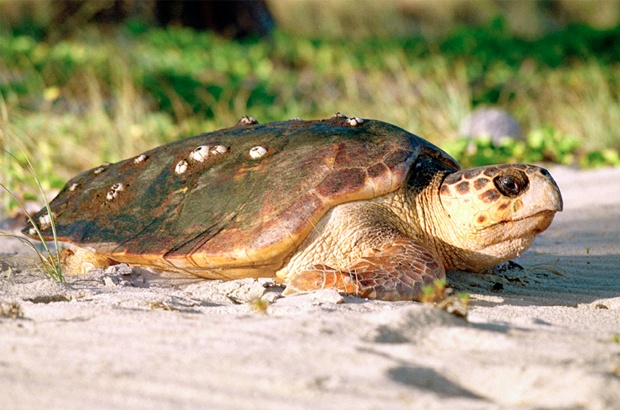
x=545 y=336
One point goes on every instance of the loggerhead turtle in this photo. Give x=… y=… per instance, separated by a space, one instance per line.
x=358 y=205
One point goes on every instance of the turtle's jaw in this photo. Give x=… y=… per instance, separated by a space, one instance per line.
x=537 y=223
x=494 y=245
x=530 y=225
x=503 y=241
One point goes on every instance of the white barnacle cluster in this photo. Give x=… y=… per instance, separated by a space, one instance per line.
x=257 y=152
x=140 y=159
x=114 y=190
x=246 y=120
x=45 y=221
x=354 y=121
x=181 y=167
x=202 y=152
x=74 y=186
x=351 y=121
x=102 y=168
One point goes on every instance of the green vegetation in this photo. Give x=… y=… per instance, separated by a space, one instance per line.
x=440 y=295
x=436 y=292
x=545 y=144
x=103 y=95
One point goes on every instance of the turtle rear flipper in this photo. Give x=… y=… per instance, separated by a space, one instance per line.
x=78 y=261
x=399 y=270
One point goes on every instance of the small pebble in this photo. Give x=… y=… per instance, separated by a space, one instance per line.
x=327 y=296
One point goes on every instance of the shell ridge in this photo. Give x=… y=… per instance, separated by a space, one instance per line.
x=201 y=238
x=123 y=244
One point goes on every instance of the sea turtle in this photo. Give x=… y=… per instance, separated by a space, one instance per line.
x=358 y=205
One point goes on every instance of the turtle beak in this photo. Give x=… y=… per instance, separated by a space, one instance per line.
x=548 y=192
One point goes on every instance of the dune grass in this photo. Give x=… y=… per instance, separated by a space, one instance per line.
x=50 y=262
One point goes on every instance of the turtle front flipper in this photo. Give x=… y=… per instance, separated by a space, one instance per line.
x=397 y=271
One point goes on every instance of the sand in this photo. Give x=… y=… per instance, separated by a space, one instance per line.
x=545 y=336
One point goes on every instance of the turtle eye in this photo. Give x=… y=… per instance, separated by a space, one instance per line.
x=512 y=183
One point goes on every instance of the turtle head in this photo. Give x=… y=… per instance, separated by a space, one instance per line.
x=495 y=213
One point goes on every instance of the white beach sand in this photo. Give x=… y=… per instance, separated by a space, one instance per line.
x=542 y=337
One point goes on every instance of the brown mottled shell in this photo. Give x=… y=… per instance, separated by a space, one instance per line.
x=224 y=213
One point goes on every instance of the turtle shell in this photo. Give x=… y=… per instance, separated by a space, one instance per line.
x=235 y=202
